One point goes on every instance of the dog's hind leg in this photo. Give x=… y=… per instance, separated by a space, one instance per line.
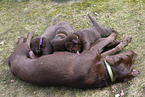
x=118 y=48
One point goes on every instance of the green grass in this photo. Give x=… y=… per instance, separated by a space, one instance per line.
x=18 y=18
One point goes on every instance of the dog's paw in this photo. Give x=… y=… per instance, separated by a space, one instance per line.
x=127 y=39
x=114 y=35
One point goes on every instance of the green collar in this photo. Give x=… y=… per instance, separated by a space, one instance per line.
x=109 y=70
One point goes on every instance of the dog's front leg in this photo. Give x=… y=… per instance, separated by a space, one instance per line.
x=118 y=48
x=104 y=42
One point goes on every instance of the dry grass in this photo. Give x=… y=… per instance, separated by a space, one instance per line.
x=18 y=18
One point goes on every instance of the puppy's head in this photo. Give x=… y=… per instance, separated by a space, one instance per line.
x=73 y=44
x=122 y=65
x=35 y=46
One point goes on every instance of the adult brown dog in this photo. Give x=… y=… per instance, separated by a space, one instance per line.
x=86 y=70
x=81 y=40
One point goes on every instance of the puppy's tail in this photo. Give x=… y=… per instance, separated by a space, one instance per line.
x=93 y=21
x=55 y=20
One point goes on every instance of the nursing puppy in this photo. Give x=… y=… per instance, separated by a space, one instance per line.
x=50 y=43
x=81 y=40
x=62 y=30
x=86 y=70
x=41 y=45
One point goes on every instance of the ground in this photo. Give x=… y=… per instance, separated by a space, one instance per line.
x=18 y=17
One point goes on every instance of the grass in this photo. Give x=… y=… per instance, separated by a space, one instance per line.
x=18 y=18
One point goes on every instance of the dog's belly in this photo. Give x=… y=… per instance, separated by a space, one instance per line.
x=90 y=35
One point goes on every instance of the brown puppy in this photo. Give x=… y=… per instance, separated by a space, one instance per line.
x=86 y=70
x=81 y=40
x=62 y=30
x=48 y=45
x=41 y=45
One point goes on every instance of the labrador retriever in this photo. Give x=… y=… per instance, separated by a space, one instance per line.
x=87 y=70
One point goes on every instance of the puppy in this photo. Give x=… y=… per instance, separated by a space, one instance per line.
x=51 y=42
x=81 y=40
x=41 y=45
x=87 y=70
x=62 y=30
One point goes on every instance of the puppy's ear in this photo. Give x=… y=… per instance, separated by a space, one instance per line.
x=75 y=40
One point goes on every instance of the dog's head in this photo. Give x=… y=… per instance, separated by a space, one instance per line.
x=122 y=65
x=73 y=44
x=35 y=46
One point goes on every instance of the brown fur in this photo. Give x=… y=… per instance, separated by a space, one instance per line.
x=62 y=30
x=53 y=41
x=86 y=70
x=48 y=35
x=81 y=40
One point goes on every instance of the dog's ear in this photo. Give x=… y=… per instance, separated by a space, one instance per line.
x=29 y=38
x=75 y=40
x=114 y=60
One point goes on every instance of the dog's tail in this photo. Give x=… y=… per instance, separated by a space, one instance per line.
x=93 y=21
x=55 y=20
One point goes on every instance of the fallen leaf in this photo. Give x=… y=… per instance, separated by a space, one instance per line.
x=122 y=94
x=2 y=43
x=34 y=92
x=96 y=14
x=12 y=80
x=117 y=95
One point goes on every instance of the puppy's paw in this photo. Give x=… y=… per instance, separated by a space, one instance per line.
x=114 y=31
x=78 y=53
